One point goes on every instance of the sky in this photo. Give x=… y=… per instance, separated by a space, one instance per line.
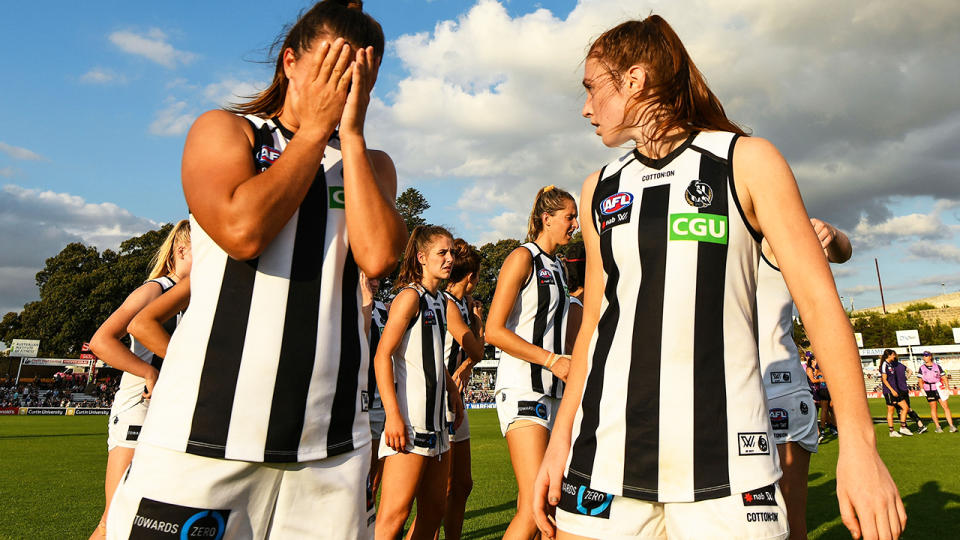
x=478 y=103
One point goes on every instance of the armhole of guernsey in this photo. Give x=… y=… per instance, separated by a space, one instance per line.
x=733 y=190
x=767 y=261
x=416 y=317
x=533 y=264
x=595 y=202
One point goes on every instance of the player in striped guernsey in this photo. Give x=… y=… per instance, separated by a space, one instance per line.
x=411 y=353
x=528 y=322
x=792 y=411
x=261 y=426
x=140 y=365
x=375 y=316
x=463 y=349
x=575 y=264
x=663 y=430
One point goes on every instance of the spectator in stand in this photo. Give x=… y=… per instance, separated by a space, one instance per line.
x=896 y=393
x=933 y=381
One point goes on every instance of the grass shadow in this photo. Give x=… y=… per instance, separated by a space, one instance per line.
x=510 y=505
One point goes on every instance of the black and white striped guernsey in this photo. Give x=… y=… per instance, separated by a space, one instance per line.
x=673 y=408
x=378 y=320
x=131 y=386
x=418 y=365
x=452 y=351
x=270 y=359
x=539 y=316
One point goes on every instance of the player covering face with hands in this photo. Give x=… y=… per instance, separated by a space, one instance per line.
x=261 y=429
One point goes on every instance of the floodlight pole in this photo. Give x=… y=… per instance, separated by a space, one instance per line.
x=882 y=302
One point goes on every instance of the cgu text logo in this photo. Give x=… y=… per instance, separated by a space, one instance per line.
x=699 y=227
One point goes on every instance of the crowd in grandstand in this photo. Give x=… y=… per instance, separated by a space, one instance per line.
x=52 y=393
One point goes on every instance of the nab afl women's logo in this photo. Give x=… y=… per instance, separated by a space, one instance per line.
x=616 y=203
x=698 y=194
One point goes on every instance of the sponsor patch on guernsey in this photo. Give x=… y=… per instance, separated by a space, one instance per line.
x=765 y=496
x=545 y=277
x=615 y=210
x=753 y=444
x=159 y=520
x=699 y=228
x=336 y=197
x=429 y=317
x=577 y=498
x=267 y=154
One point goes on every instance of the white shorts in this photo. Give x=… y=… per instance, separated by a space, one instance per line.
x=166 y=493
x=793 y=418
x=126 y=419
x=520 y=404
x=462 y=433
x=757 y=514
x=422 y=443
x=377 y=418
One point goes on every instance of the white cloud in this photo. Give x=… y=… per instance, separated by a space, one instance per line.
x=230 y=90
x=153 y=46
x=99 y=75
x=938 y=252
x=7 y=172
x=17 y=152
x=174 y=119
x=36 y=225
x=898 y=227
x=854 y=94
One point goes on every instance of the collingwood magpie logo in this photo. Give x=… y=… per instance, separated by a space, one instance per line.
x=698 y=194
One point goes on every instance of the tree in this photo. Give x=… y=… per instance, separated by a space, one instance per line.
x=79 y=289
x=412 y=204
x=492 y=256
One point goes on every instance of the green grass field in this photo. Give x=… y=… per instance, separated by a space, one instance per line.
x=51 y=478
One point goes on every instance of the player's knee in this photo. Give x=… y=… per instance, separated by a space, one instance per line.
x=461 y=490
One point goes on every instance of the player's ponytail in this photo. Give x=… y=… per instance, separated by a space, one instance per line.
x=422 y=237
x=549 y=199
x=164 y=261
x=466 y=261
x=339 y=18
x=675 y=94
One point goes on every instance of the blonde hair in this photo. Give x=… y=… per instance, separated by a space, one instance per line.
x=164 y=262
x=549 y=199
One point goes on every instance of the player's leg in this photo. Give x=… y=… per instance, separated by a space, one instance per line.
x=117 y=461
x=932 y=398
x=431 y=498
x=314 y=495
x=401 y=480
x=795 y=462
x=458 y=490
x=527 y=442
x=946 y=410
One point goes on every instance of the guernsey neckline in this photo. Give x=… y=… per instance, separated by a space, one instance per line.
x=660 y=163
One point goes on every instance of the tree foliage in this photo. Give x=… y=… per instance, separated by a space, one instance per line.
x=412 y=204
x=79 y=288
x=881 y=330
x=492 y=256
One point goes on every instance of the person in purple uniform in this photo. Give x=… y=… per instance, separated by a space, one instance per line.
x=897 y=394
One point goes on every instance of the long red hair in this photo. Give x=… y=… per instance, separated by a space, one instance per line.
x=675 y=94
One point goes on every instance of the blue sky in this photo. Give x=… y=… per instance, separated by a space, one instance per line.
x=478 y=103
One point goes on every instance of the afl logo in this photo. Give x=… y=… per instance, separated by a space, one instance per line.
x=267 y=154
x=616 y=203
x=699 y=194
